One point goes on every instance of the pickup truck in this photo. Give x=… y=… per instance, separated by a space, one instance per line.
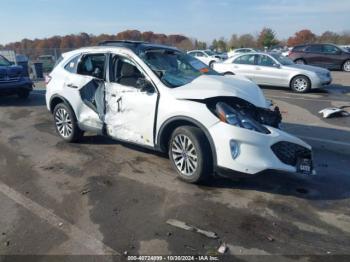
x=12 y=81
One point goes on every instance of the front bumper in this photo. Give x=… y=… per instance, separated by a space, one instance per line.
x=321 y=81
x=15 y=86
x=255 y=153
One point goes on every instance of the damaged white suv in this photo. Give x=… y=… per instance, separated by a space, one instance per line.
x=161 y=98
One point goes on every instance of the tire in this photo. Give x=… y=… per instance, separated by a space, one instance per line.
x=211 y=64
x=300 y=62
x=23 y=94
x=193 y=162
x=68 y=130
x=300 y=84
x=346 y=66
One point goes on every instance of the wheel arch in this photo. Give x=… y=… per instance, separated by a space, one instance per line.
x=57 y=99
x=342 y=65
x=168 y=127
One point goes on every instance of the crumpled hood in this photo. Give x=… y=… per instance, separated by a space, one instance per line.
x=207 y=86
x=315 y=69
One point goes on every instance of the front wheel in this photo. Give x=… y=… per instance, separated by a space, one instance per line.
x=66 y=124
x=301 y=84
x=346 y=66
x=190 y=154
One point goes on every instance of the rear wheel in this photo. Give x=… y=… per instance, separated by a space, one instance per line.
x=66 y=123
x=346 y=66
x=300 y=84
x=300 y=62
x=211 y=64
x=190 y=154
x=23 y=93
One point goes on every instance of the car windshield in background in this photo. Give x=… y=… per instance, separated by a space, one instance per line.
x=4 y=61
x=282 y=59
x=175 y=68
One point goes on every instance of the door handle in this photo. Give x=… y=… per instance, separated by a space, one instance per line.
x=72 y=86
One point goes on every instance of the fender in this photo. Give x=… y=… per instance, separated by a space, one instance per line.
x=161 y=148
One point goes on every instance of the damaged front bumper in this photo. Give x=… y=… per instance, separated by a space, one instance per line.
x=250 y=152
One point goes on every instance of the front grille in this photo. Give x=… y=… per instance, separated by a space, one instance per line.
x=289 y=153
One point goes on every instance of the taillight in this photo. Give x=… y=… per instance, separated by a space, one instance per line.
x=47 y=79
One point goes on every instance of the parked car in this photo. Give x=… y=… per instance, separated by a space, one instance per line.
x=241 y=50
x=324 y=55
x=208 y=57
x=273 y=69
x=161 y=98
x=12 y=80
x=48 y=62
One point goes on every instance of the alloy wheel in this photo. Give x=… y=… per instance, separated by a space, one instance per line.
x=63 y=123
x=184 y=155
x=300 y=84
x=347 y=66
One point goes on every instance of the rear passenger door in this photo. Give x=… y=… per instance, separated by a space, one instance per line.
x=245 y=65
x=314 y=55
x=84 y=88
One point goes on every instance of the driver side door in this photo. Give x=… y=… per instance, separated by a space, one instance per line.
x=130 y=110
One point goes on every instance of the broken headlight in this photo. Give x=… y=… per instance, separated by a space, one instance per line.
x=231 y=116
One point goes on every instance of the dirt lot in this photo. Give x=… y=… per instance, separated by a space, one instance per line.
x=103 y=197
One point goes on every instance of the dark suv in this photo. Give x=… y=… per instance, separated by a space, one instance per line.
x=12 y=81
x=323 y=55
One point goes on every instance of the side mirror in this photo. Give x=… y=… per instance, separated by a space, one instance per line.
x=144 y=85
x=277 y=65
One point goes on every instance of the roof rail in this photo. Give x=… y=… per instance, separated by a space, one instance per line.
x=119 y=42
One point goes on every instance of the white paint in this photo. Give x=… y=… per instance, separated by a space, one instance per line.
x=72 y=231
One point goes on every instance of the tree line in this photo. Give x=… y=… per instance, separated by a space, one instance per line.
x=266 y=38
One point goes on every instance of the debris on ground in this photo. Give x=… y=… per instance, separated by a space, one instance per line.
x=85 y=191
x=223 y=248
x=60 y=224
x=334 y=112
x=125 y=253
x=7 y=243
x=169 y=234
x=270 y=238
x=183 y=225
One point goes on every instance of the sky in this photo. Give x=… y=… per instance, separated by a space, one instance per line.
x=201 y=19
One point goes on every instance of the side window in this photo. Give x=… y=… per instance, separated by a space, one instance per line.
x=192 y=54
x=71 y=66
x=125 y=72
x=199 y=54
x=314 y=49
x=330 y=49
x=245 y=60
x=93 y=65
x=264 y=60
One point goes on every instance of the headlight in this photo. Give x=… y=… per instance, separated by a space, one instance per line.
x=231 y=116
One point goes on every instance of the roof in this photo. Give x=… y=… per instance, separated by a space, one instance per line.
x=136 y=46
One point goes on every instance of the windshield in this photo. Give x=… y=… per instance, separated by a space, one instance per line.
x=344 y=49
x=4 y=61
x=209 y=52
x=282 y=59
x=175 y=68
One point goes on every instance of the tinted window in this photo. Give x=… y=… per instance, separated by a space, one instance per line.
x=298 y=48
x=199 y=54
x=4 y=61
x=330 y=49
x=264 y=60
x=71 y=66
x=314 y=48
x=125 y=72
x=245 y=60
x=93 y=65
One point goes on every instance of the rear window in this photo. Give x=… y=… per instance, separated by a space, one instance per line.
x=298 y=48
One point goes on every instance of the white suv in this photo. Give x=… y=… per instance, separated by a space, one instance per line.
x=161 y=98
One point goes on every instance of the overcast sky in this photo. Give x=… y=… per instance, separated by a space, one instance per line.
x=202 y=19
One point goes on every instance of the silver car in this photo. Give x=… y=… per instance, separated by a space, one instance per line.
x=272 y=69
